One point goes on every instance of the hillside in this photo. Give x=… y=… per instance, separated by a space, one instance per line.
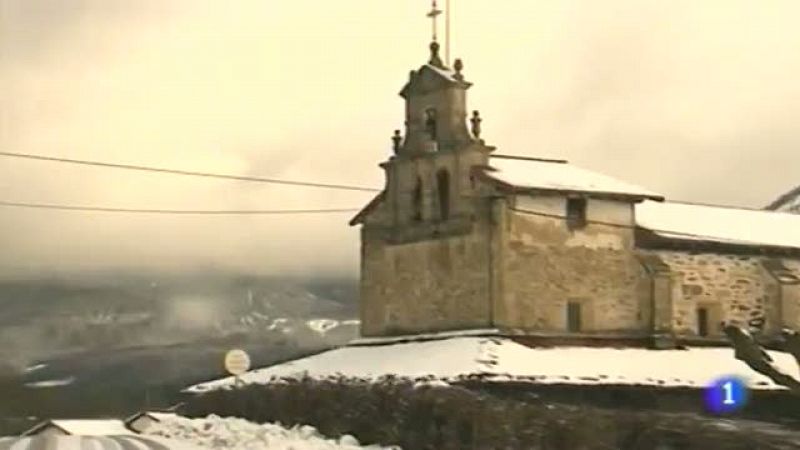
x=129 y=339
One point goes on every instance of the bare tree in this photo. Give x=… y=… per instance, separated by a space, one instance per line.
x=747 y=350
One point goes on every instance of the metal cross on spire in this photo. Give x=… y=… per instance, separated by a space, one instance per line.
x=434 y=15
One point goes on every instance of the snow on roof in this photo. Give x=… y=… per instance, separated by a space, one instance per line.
x=155 y=415
x=160 y=416
x=719 y=224
x=446 y=73
x=85 y=427
x=96 y=442
x=502 y=359
x=559 y=176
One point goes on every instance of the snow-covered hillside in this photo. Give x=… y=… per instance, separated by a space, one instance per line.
x=40 y=319
x=502 y=359
x=215 y=432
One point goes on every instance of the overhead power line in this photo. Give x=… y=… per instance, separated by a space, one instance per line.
x=187 y=172
x=175 y=211
x=103 y=209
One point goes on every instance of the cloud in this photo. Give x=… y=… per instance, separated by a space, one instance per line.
x=695 y=100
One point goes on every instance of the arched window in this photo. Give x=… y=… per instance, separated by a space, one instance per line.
x=443 y=188
x=430 y=123
x=417 y=202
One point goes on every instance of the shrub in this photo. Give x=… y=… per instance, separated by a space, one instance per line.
x=419 y=416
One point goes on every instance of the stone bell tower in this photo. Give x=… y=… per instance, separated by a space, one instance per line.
x=425 y=239
x=436 y=111
x=429 y=184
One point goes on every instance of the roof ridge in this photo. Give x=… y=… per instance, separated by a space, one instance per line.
x=531 y=158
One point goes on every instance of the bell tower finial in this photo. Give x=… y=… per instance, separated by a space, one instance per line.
x=435 y=59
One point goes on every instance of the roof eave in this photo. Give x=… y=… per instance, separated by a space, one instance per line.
x=359 y=217
x=649 y=239
x=516 y=189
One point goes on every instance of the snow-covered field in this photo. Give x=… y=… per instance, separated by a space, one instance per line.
x=501 y=359
x=233 y=433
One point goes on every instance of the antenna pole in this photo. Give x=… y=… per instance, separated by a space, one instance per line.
x=447 y=33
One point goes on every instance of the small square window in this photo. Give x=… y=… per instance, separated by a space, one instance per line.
x=576 y=213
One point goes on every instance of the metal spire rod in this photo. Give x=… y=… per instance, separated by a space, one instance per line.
x=447 y=32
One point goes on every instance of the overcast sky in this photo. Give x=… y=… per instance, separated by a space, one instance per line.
x=696 y=100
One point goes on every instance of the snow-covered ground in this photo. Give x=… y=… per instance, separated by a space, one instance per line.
x=502 y=359
x=233 y=433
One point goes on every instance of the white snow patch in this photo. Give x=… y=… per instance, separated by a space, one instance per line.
x=277 y=323
x=51 y=383
x=446 y=73
x=431 y=383
x=502 y=359
x=35 y=367
x=719 y=224
x=216 y=432
x=322 y=326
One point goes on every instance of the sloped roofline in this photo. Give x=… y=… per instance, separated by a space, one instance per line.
x=147 y=413
x=446 y=75
x=359 y=218
x=42 y=425
x=783 y=199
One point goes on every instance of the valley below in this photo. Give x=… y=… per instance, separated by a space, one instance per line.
x=95 y=348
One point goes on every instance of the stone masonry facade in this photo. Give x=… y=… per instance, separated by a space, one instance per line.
x=443 y=248
x=546 y=265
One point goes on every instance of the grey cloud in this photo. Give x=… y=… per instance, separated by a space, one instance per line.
x=693 y=99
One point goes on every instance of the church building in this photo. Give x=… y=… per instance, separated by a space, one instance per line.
x=464 y=238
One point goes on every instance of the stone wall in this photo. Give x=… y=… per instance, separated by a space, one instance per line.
x=733 y=288
x=546 y=265
x=425 y=272
x=788 y=276
x=428 y=285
